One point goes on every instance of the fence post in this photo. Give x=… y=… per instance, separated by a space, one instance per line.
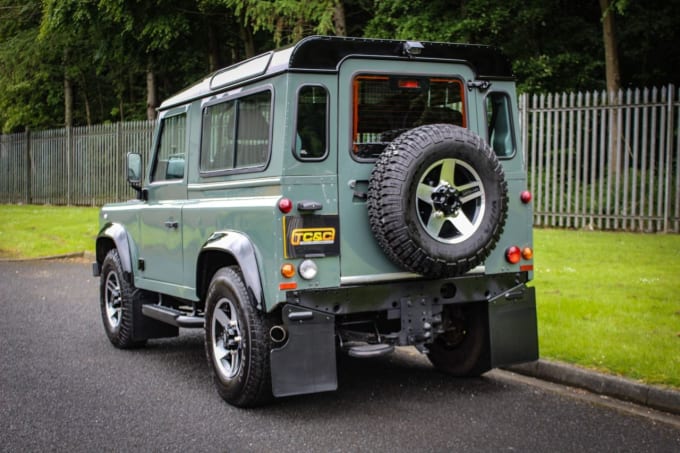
x=117 y=153
x=669 y=159
x=68 y=166
x=29 y=167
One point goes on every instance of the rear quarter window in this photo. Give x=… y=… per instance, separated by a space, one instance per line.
x=499 y=124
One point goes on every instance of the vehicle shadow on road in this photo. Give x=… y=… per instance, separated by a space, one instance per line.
x=404 y=376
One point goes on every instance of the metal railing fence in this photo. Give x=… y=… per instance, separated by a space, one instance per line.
x=604 y=161
x=594 y=160
x=77 y=166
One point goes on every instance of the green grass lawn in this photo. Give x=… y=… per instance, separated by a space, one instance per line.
x=33 y=231
x=609 y=301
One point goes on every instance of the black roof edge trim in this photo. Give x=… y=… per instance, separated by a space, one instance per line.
x=327 y=52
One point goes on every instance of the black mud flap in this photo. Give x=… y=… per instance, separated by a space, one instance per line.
x=306 y=362
x=513 y=331
x=145 y=328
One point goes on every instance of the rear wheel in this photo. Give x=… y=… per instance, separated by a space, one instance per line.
x=236 y=341
x=462 y=349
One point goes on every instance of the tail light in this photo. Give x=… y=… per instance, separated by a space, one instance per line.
x=513 y=254
x=285 y=205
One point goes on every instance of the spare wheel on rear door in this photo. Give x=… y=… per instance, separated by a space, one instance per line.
x=437 y=200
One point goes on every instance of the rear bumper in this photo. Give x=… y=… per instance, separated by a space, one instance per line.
x=306 y=363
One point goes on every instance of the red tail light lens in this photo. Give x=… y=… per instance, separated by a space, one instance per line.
x=285 y=205
x=513 y=254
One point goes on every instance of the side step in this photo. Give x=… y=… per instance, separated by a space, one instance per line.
x=363 y=351
x=171 y=316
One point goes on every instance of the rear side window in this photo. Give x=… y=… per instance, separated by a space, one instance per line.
x=312 y=123
x=169 y=164
x=236 y=134
x=386 y=106
x=499 y=122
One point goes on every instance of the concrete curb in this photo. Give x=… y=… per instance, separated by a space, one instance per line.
x=49 y=258
x=655 y=397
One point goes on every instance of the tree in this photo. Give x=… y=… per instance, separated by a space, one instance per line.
x=29 y=95
x=611 y=51
x=289 y=20
x=554 y=45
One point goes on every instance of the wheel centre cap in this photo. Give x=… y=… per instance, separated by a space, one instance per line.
x=446 y=199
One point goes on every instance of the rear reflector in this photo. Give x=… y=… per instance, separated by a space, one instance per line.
x=287 y=285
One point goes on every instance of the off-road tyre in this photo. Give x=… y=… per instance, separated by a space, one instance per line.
x=463 y=349
x=437 y=200
x=237 y=342
x=118 y=299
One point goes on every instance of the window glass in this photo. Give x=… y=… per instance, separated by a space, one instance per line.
x=387 y=106
x=498 y=114
x=169 y=163
x=310 y=138
x=235 y=133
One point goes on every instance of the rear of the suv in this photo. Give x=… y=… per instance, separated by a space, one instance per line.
x=340 y=194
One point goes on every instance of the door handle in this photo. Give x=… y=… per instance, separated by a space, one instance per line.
x=172 y=224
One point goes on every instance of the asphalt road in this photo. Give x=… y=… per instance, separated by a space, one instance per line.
x=63 y=387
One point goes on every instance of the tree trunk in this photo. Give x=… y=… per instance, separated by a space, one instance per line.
x=151 y=100
x=611 y=54
x=248 y=40
x=68 y=93
x=339 y=19
x=213 y=49
x=86 y=101
x=613 y=76
x=68 y=102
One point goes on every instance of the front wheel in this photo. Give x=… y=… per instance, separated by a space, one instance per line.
x=236 y=341
x=118 y=298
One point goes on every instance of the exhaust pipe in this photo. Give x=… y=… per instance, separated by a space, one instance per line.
x=278 y=334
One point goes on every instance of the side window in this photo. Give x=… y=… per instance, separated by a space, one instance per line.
x=235 y=134
x=169 y=164
x=311 y=125
x=498 y=114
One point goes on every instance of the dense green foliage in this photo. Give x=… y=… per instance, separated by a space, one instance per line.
x=87 y=62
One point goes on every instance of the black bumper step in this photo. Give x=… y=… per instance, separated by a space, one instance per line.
x=363 y=351
x=172 y=316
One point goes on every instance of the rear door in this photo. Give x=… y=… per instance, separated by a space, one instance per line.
x=377 y=101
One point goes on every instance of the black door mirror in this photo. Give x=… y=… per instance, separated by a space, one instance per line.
x=134 y=170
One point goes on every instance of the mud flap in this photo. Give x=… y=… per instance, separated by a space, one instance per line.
x=145 y=328
x=513 y=331
x=306 y=362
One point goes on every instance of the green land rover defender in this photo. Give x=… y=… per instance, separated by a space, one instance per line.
x=338 y=195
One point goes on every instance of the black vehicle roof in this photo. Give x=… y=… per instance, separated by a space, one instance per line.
x=326 y=53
